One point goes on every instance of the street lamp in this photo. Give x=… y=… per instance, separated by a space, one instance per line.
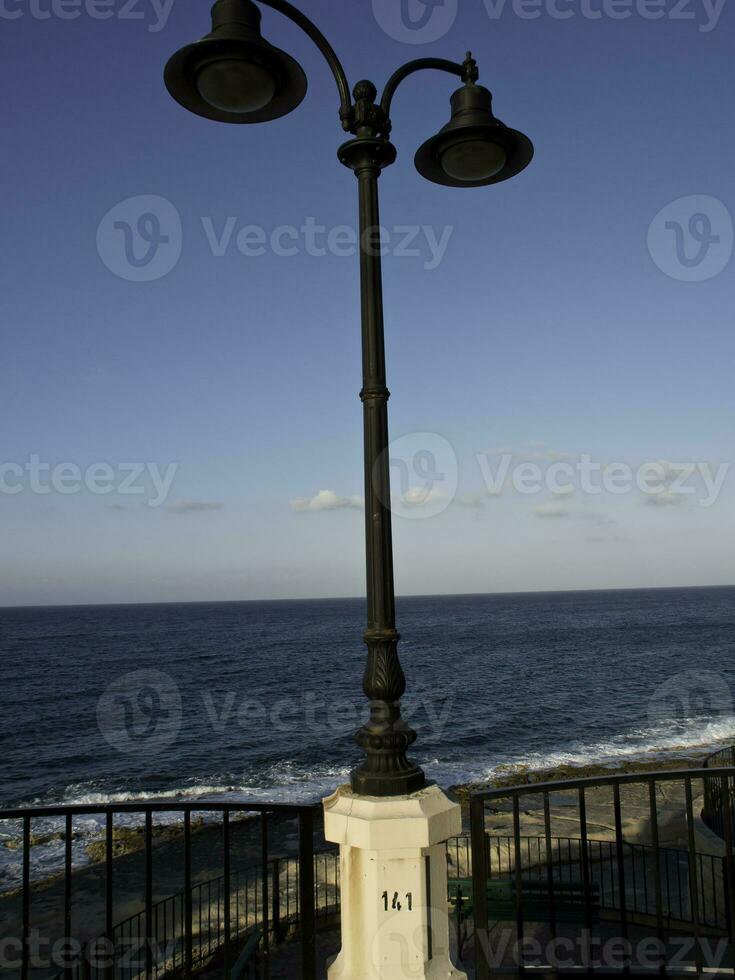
x=390 y=824
x=234 y=75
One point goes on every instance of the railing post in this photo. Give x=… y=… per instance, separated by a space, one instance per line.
x=68 y=831
x=109 y=927
x=26 y=913
x=149 y=930
x=264 y=893
x=188 y=903
x=479 y=888
x=518 y=879
x=86 y=964
x=693 y=878
x=620 y=862
x=653 y=816
x=306 y=894
x=549 y=866
x=585 y=854
x=729 y=865
x=276 y=899
x=227 y=886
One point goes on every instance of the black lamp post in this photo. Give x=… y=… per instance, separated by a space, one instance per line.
x=234 y=75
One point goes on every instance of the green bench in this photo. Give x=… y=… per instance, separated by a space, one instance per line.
x=248 y=958
x=569 y=902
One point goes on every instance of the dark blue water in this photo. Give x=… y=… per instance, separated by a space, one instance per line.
x=260 y=698
x=243 y=700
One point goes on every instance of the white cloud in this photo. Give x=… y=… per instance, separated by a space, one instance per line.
x=665 y=499
x=414 y=498
x=558 y=506
x=326 y=500
x=602 y=520
x=420 y=497
x=537 y=452
x=191 y=506
x=552 y=508
x=475 y=501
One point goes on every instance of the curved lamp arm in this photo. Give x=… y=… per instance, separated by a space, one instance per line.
x=302 y=21
x=467 y=71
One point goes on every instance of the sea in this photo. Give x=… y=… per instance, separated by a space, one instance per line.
x=259 y=700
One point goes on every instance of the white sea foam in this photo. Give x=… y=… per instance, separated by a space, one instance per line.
x=689 y=737
x=285 y=782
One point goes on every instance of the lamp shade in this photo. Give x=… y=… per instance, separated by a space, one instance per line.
x=474 y=148
x=233 y=74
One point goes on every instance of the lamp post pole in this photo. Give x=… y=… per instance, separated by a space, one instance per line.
x=386 y=737
x=391 y=826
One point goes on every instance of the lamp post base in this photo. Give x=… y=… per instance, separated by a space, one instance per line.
x=393 y=880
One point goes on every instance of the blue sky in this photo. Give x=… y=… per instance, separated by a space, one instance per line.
x=554 y=324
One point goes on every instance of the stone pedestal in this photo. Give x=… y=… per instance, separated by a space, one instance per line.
x=393 y=864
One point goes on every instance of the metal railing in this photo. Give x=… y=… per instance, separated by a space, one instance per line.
x=648 y=915
x=718 y=792
x=568 y=864
x=636 y=886
x=207 y=898
x=246 y=915
x=181 y=930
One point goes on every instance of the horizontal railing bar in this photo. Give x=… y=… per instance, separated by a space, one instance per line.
x=632 y=846
x=590 y=782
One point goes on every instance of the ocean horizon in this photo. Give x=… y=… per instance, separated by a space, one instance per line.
x=333 y=598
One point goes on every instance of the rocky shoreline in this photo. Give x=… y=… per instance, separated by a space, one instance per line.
x=507 y=776
x=565 y=818
x=130 y=840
